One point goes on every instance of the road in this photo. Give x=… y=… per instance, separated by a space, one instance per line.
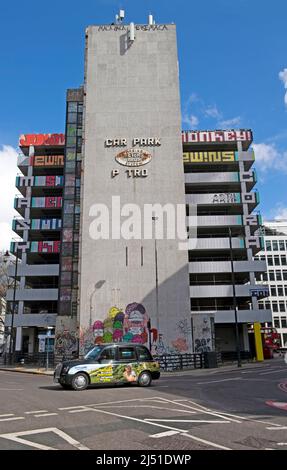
x=203 y=409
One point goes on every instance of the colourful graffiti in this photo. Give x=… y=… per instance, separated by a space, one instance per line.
x=66 y=343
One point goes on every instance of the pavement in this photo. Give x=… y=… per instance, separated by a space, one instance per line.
x=209 y=409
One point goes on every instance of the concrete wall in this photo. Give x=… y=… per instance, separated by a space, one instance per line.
x=132 y=91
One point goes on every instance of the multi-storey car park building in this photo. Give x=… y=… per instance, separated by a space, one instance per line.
x=124 y=145
x=275 y=255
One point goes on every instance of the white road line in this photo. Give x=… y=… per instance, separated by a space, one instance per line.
x=83 y=410
x=217 y=414
x=188 y=421
x=97 y=404
x=15 y=437
x=8 y=414
x=273 y=372
x=217 y=381
x=163 y=434
x=36 y=411
x=276 y=429
x=149 y=407
x=282 y=443
x=206 y=442
x=181 y=431
x=12 y=389
x=12 y=419
x=45 y=414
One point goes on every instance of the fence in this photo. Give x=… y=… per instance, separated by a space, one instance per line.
x=169 y=362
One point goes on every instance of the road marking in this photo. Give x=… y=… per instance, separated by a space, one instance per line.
x=45 y=414
x=273 y=372
x=36 y=411
x=150 y=407
x=181 y=431
x=276 y=429
x=282 y=443
x=217 y=381
x=14 y=436
x=187 y=421
x=8 y=414
x=164 y=434
x=12 y=389
x=11 y=419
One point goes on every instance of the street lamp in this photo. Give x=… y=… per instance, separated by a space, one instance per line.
x=156 y=273
x=234 y=300
x=11 y=342
x=97 y=286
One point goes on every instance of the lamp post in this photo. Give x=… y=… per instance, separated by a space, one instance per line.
x=11 y=342
x=234 y=300
x=97 y=286
x=156 y=274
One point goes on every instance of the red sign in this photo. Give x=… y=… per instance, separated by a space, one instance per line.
x=41 y=140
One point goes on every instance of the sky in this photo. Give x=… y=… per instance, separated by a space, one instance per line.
x=233 y=74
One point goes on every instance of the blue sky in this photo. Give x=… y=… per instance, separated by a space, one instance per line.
x=230 y=53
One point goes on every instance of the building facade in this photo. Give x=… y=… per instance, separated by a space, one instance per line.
x=86 y=267
x=275 y=256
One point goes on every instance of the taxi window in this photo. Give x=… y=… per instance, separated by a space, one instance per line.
x=143 y=354
x=127 y=354
x=108 y=354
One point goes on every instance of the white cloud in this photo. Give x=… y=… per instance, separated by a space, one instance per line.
x=213 y=112
x=268 y=157
x=283 y=77
x=230 y=123
x=281 y=213
x=191 y=120
x=8 y=172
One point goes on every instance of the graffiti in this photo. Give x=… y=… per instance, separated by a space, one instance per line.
x=66 y=343
x=86 y=340
x=209 y=157
x=41 y=139
x=202 y=345
x=217 y=136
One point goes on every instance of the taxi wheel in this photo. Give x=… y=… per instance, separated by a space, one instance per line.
x=144 y=379
x=80 y=381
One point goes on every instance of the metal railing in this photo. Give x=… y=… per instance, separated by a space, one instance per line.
x=170 y=362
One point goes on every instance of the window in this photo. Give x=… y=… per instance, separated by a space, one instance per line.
x=273 y=291
x=276 y=260
x=267 y=305
x=281 y=245
x=271 y=276
x=261 y=305
x=108 y=354
x=282 y=306
x=72 y=118
x=127 y=354
x=276 y=322
x=280 y=291
x=283 y=260
x=284 y=272
x=275 y=245
x=143 y=354
x=269 y=260
x=283 y=322
x=278 y=275
x=284 y=339
x=268 y=245
x=274 y=306
x=72 y=106
x=285 y=288
x=264 y=277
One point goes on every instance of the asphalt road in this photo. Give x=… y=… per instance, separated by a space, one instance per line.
x=204 y=409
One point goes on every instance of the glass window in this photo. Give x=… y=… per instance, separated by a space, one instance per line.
x=143 y=354
x=278 y=275
x=274 y=306
x=261 y=305
x=71 y=130
x=269 y=260
x=276 y=260
x=275 y=245
x=70 y=155
x=71 y=141
x=70 y=167
x=283 y=260
x=66 y=278
x=94 y=352
x=72 y=106
x=267 y=305
x=276 y=322
x=66 y=264
x=268 y=245
x=273 y=291
x=280 y=291
x=271 y=276
x=285 y=288
x=264 y=277
x=284 y=322
x=108 y=354
x=65 y=293
x=282 y=306
x=284 y=274
x=284 y=339
x=72 y=118
x=127 y=354
x=281 y=245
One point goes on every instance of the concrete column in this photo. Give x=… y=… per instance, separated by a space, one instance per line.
x=18 y=343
